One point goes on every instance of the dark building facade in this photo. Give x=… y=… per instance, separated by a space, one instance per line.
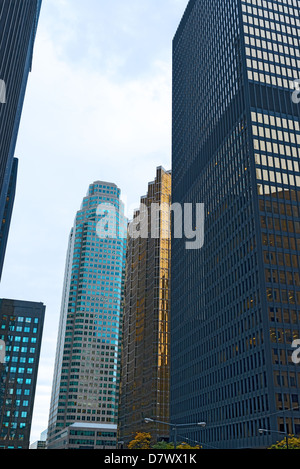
x=145 y=361
x=236 y=302
x=8 y=208
x=21 y=329
x=18 y=23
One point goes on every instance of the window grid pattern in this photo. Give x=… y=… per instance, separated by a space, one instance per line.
x=86 y=382
x=230 y=350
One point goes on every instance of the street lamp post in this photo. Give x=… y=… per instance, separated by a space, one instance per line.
x=176 y=425
x=264 y=430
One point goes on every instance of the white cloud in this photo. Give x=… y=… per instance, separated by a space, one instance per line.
x=85 y=118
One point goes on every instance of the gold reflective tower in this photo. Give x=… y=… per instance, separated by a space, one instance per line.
x=145 y=350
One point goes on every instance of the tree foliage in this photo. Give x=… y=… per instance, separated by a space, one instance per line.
x=187 y=446
x=141 y=441
x=163 y=445
x=293 y=441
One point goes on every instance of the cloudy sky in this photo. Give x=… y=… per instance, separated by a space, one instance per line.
x=98 y=106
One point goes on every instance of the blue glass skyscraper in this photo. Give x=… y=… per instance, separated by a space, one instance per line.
x=87 y=369
x=235 y=303
x=18 y=23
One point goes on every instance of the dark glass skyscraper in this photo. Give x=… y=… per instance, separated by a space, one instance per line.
x=235 y=303
x=21 y=329
x=18 y=23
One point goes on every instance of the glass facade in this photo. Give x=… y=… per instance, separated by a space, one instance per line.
x=18 y=23
x=146 y=335
x=235 y=302
x=87 y=369
x=86 y=436
x=21 y=328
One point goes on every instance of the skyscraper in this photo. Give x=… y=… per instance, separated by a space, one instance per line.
x=21 y=329
x=8 y=208
x=18 y=23
x=146 y=337
x=235 y=302
x=86 y=379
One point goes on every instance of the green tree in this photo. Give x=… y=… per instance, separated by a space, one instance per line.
x=165 y=445
x=187 y=446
